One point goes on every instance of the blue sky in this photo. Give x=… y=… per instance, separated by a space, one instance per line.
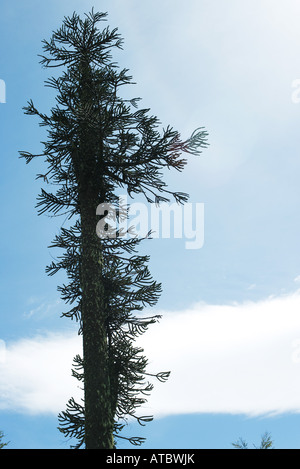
x=230 y=331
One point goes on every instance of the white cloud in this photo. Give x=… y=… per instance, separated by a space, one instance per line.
x=36 y=373
x=239 y=358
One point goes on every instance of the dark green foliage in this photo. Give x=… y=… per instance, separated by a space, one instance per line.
x=266 y=443
x=99 y=143
x=2 y=443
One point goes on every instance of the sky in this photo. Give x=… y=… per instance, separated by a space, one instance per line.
x=230 y=327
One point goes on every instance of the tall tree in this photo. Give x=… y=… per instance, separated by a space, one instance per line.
x=99 y=143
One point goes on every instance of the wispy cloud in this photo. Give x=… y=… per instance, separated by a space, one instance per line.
x=239 y=358
x=41 y=308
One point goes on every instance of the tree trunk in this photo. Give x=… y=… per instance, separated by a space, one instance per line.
x=99 y=418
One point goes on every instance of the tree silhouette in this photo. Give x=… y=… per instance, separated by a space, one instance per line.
x=266 y=443
x=2 y=443
x=99 y=143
